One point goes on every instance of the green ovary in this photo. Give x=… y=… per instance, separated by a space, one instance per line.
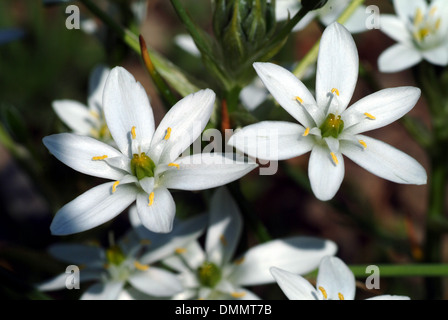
x=115 y=256
x=209 y=274
x=142 y=166
x=332 y=126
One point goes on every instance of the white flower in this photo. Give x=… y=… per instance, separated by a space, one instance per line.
x=327 y=127
x=127 y=267
x=214 y=274
x=335 y=281
x=147 y=163
x=421 y=31
x=327 y=14
x=87 y=120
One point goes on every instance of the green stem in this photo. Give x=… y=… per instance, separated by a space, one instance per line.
x=311 y=57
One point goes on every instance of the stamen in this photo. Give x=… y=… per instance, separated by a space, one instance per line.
x=368 y=115
x=141 y=267
x=341 y=296
x=151 y=199
x=180 y=250
x=299 y=99
x=94 y=114
x=335 y=90
x=99 y=158
x=418 y=18
x=106 y=266
x=223 y=240
x=145 y=242
x=324 y=293
x=168 y=133
x=307 y=131
x=239 y=261
x=432 y=11
x=335 y=159
x=361 y=142
x=238 y=294
x=114 y=186
x=438 y=23
x=173 y=165
x=133 y=132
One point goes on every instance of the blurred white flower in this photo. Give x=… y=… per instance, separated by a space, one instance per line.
x=327 y=127
x=147 y=163
x=421 y=31
x=215 y=274
x=327 y=14
x=129 y=265
x=87 y=120
x=335 y=281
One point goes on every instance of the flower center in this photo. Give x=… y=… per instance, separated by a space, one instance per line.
x=425 y=25
x=142 y=166
x=332 y=126
x=114 y=255
x=209 y=274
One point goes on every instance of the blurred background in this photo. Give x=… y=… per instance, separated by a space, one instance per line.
x=373 y=221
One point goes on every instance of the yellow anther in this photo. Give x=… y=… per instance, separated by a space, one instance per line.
x=173 y=165
x=418 y=18
x=239 y=261
x=307 y=131
x=94 y=114
x=145 y=242
x=432 y=11
x=438 y=23
x=335 y=159
x=82 y=267
x=134 y=135
x=114 y=186
x=151 y=199
x=368 y=115
x=106 y=266
x=334 y=90
x=361 y=142
x=99 y=158
x=223 y=240
x=299 y=99
x=180 y=250
x=141 y=267
x=341 y=296
x=168 y=133
x=324 y=293
x=238 y=294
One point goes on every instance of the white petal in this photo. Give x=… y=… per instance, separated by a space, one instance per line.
x=79 y=254
x=286 y=88
x=337 y=66
x=205 y=171
x=385 y=161
x=437 y=56
x=389 y=297
x=186 y=120
x=126 y=105
x=305 y=21
x=272 y=140
x=406 y=9
x=336 y=278
x=97 y=81
x=53 y=284
x=295 y=287
x=325 y=175
x=156 y=282
x=103 y=291
x=387 y=106
x=395 y=28
x=357 y=21
x=299 y=255
x=93 y=208
x=398 y=58
x=75 y=115
x=253 y=95
x=78 y=151
x=159 y=216
x=186 y=42
x=225 y=226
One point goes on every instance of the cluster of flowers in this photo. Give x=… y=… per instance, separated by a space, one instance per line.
x=144 y=163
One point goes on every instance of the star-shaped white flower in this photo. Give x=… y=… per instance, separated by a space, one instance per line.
x=327 y=127
x=128 y=267
x=328 y=14
x=87 y=120
x=147 y=163
x=215 y=274
x=335 y=281
x=421 y=31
